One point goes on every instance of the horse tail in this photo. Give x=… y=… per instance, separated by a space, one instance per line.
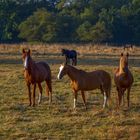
x=109 y=89
x=49 y=84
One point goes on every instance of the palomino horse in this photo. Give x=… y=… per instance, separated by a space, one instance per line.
x=35 y=73
x=70 y=54
x=123 y=78
x=84 y=81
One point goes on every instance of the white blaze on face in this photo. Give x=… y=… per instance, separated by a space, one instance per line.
x=60 y=70
x=26 y=62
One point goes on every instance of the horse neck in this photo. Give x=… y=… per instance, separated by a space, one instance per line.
x=121 y=70
x=32 y=67
x=72 y=73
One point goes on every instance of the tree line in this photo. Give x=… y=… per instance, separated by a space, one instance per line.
x=97 y=21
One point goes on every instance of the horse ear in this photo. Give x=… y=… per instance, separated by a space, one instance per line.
x=121 y=54
x=23 y=50
x=127 y=54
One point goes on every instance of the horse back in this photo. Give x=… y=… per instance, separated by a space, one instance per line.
x=43 y=71
x=71 y=53
x=94 y=80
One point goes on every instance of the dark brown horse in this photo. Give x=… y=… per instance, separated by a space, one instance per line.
x=35 y=73
x=123 y=78
x=70 y=54
x=84 y=81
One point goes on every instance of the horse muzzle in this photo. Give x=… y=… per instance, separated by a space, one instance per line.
x=59 y=77
x=25 y=68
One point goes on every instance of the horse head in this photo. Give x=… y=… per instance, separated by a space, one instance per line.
x=63 y=51
x=124 y=62
x=62 y=71
x=26 y=56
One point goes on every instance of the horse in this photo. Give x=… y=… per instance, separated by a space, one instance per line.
x=70 y=54
x=35 y=73
x=85 y=81
x=123 y=79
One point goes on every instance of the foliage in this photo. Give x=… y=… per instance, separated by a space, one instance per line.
x=40 y=26
x=70 y=21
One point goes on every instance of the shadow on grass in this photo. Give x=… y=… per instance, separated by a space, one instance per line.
x=81 y=61
x=86 y=59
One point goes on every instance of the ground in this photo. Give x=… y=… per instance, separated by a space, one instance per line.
x=59 y=120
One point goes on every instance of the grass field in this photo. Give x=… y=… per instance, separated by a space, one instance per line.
x=59 y=121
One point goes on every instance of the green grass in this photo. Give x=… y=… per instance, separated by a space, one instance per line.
x=59 y=121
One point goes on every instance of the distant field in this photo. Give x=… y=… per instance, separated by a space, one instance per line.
x=59 y=121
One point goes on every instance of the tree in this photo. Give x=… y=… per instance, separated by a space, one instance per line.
x=41 y=26
x=95 y=33
x=8 y=21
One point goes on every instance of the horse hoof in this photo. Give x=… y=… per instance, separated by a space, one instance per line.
x=50 y=101
x=33 y=105
x=74 y=109
x=39 y=102
x=29 y=105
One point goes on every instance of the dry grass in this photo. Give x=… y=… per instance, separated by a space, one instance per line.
x=59 y=121
x=55 y=48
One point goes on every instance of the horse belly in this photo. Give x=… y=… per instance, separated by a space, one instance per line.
x=89 y=85
x=125 y=84
x=41 y=75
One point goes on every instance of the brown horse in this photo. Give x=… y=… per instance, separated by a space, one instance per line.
x=123 y=78
x=84 y=81
x=35 y=73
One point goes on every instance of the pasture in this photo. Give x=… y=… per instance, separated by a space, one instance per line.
x=58 y=120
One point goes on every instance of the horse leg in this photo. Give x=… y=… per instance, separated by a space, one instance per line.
x=66 y=61
x=104 y=92
x=120 y=99
x=72 y=61
x=40 y=93
x=128 y=96
x=49 y=89
x=29 y=94
x=75 y=60
x=120 y=94
x=123 y=97
x=34 y=88
x=105 y=99
x=83 y=96
x=75 y=99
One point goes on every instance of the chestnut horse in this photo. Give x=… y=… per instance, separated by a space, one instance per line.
x=123 y=78
x=35 y=73
x=84 y=81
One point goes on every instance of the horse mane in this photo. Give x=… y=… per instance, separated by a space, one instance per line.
x=75 y=69
x=33 y=63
